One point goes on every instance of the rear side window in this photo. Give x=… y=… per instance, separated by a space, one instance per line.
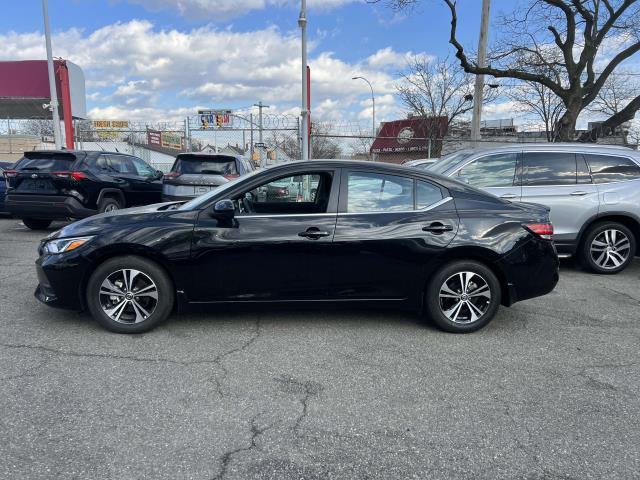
x=205 y=165
x=607 y=168
x=46 y=163
x=549 y=168
x=497 y=170
x=374 y=192
x=114 y=164
x=427 y=194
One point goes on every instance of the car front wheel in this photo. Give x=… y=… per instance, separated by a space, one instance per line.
x=608 y=247
x=130 y=295
x=463 y=296
x=109 y=204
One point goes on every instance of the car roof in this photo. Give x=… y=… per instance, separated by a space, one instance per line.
x=208 y=155
x=559 y=146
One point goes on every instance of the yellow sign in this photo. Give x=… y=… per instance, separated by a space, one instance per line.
x=107 y=124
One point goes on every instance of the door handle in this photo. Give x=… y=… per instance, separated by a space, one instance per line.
x=437 y=228
x=579 y=194
x=314 y=233
x=508 y=196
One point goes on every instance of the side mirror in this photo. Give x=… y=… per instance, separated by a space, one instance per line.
x=224 y=209
x=158 y=175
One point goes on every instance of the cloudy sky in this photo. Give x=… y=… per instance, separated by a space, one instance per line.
x=164 y=59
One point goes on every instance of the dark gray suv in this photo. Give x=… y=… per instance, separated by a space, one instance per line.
x=593 y=192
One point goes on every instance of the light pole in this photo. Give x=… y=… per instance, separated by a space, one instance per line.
x=479 y=86
x=373 y=103
x=57 y=135
x=302 y=23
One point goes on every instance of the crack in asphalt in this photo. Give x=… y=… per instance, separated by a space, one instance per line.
x=219 y=359
x=228 y=456
x=307 y=389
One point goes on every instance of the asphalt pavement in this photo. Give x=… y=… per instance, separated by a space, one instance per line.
x=550 y=389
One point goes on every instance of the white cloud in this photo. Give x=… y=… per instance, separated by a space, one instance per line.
x=135 y=67
x=220 y=10
x=388 y=57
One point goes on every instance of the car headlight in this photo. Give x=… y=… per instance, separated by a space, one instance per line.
x=63 y=245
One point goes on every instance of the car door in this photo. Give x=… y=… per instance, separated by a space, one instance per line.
x=278 y=247
x=147 y=184
x=561 y=181
x=390 y=228
x=497 y=173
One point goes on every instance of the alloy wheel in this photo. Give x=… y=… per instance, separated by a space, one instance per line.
x=464 y=297
x=128 y=296
x=112 y=207
x=610 y=249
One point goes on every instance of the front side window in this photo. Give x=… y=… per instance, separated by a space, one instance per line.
x=142 y=168
x=549 y=168
x=297 y=194
x=374 y=192
x=491 y=171
x=607 y=168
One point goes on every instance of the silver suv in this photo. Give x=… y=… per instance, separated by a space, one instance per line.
x=593 y=192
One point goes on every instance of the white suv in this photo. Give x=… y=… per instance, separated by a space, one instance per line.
x=593 y=192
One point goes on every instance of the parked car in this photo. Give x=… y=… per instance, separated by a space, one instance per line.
x=3 y=187
x=422 y=163
x=593 y=192
x=374 y=234
x=193 y=174
x=58 y=184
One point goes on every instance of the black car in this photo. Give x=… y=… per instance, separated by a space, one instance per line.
x=194 y=174
x=54 y=185
x=372 y=234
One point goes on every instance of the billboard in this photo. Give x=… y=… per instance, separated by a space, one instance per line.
x=171 y=140
x=215 y=118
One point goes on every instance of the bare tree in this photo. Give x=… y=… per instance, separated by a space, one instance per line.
x=578 y=44
x=537 y=100
x=38 y=128
x=323 y=144
x=437 y=88
x=616 y=93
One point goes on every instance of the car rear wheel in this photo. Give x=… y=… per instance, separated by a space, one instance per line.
x=608 y=248
x=130 y=295
x=463 y=296
x=36 y=223
x=109 y=204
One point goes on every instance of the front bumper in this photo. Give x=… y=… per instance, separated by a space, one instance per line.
x=62 y=280
x=50 y=207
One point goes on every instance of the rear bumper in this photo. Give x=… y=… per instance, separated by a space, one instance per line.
x=531 y=271
x=177 y=198
x=50 y=207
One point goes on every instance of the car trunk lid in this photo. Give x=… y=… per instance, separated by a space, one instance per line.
x=44 y=173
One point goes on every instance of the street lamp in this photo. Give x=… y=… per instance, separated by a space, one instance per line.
x=373 y=103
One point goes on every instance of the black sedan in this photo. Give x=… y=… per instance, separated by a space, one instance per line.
x=356 y=232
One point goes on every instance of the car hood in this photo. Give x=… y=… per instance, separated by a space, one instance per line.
x=98 y=224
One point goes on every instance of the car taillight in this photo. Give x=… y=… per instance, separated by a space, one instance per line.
x=544 y=230
x=77 y=176
x=231 y=176
x=10 y=173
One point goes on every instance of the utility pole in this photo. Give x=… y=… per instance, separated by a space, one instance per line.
x=57 y=135
x=482 y=62
x=302 y=23
x=263 y=159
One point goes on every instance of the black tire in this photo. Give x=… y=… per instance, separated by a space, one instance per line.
x=126 y=323
x=482 y=280
x=36 y=223
x=602 y=259
x=109 y=204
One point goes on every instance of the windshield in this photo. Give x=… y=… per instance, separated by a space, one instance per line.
x=46 y=162
x=198 y=164
x=202 y=200
x=448 y=161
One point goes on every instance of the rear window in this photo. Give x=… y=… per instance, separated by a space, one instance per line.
x=449 y=161
x=51 y=163
x=213 y=165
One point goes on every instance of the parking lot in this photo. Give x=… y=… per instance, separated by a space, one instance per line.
x=550 y=389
